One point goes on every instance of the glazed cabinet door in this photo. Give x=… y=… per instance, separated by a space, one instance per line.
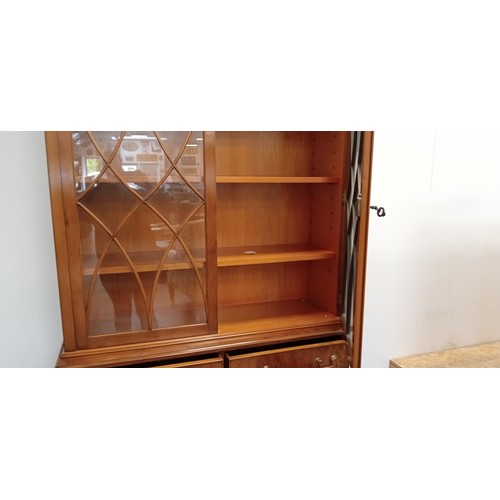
x=356 y=241
x=135 y=235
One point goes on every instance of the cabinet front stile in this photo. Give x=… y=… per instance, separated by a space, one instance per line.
x=74 y=263
x=57 y=192
x=211 y=229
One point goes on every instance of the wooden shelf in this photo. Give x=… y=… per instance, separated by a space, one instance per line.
x=231 y=256
x=272 y=316
x=268 y=254
x=258 y=179
x=143 y=179
x=143 y=262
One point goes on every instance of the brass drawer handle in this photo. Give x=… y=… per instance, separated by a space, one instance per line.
x=333 y=362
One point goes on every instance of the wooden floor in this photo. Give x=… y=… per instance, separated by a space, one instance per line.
x=476 y=356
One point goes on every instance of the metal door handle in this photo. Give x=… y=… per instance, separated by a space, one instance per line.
x=333 y=362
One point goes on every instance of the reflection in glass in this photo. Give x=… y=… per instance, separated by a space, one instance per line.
x=142 y=225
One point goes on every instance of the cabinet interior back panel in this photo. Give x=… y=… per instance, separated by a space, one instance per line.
x=262 y=283
x=264 y=153
x=264 y=214
x=289 y=154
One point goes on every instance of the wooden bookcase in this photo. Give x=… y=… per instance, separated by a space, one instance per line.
x=200 y=249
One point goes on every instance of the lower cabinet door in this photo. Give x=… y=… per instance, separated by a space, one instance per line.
x=321 y=355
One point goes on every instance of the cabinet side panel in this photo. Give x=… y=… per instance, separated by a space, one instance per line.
x=325 y=233
x=328 y=153
x=324 y=216
x=57 y=206
x=322 y=284
x=330 y=156
x=329 y=159
x=342 y=218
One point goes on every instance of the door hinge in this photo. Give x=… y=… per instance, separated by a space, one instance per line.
x=344 y=197
x=340 y=301
x=358 y=204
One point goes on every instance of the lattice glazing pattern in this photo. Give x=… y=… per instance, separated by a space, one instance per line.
x=141 y=203
x=352 y=219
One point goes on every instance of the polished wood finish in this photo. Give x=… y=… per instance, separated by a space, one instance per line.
x=269 y=266
x=200 y=363
x=211 y=229
x=276 y=315
x=262 y=214
x=74 y=255
x=293 y=215
x=127 y=306
x=271 y=254
x=262 y=283
x=146 y=261
x=157 y=351
x=276 y=154
x=266 y=179
x=320 y=355
x=60 y=236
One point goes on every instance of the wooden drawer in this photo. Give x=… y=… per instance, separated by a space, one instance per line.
x=217 y=362
x=320 y=355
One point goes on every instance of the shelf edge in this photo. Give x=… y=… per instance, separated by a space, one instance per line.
x=250 y=179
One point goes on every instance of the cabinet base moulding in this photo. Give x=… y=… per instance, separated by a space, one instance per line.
x=194 y=346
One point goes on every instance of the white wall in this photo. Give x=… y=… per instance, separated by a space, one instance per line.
x=433 y=272
x=30 y=320
x=433 y=276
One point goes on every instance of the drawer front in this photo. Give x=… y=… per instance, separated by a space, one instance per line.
x=321 y=355
x=200 y=363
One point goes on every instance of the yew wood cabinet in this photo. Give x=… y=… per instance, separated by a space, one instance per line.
x=210 y=249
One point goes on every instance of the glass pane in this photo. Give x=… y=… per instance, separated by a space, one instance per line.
x=139 y=232
x=143 y=161
x=109 y=201
x=178 y=299
x=92 y=151
x=193 y=233
x=106 y=143
x=116 y=305
x=176 y=201
x=184 y=151
x=142 y=228
x=173 y=144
